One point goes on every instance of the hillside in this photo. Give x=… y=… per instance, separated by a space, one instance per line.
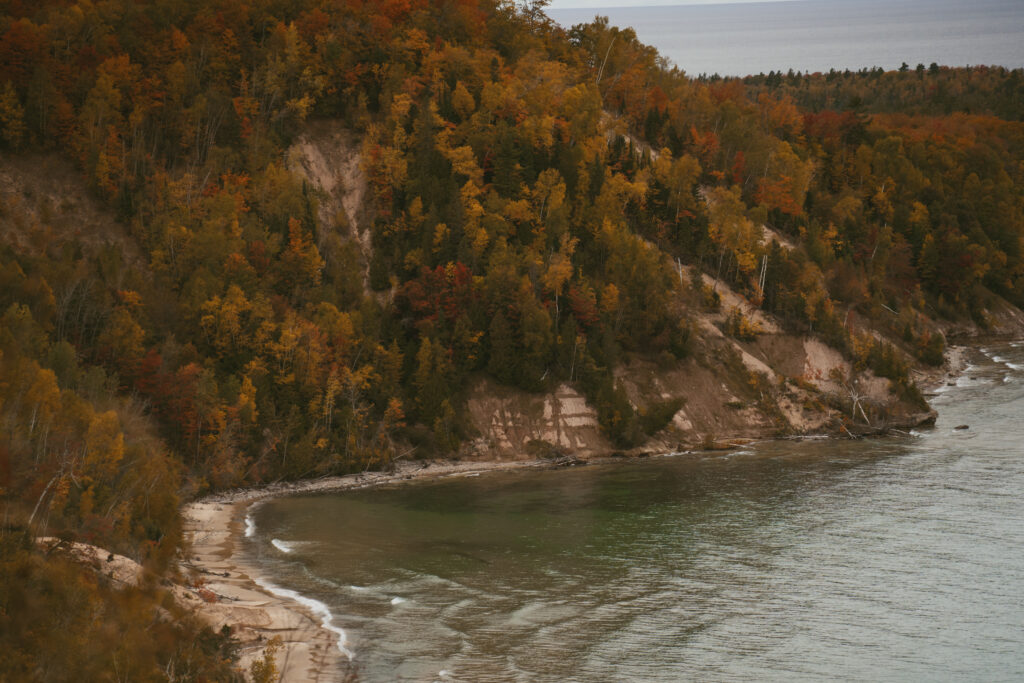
x=241 y=243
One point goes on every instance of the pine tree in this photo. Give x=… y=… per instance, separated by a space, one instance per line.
x=502 y=361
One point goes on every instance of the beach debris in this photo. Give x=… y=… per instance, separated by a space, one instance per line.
x=962 y=427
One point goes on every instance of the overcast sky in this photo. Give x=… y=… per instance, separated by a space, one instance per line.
x=576 y=4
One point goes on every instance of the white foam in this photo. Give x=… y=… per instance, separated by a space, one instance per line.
x=316 y=607
x=397 y=601
x=250 y=525
x=1015 y=366
x=359 y=588
x=281 y=545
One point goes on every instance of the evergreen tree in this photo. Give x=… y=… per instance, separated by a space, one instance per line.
x=501 y=363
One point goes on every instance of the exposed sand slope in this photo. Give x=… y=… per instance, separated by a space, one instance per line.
x=309 y=652
x=42 y=195
x=328 y=158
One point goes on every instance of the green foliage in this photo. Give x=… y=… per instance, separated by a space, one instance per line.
x=518 y=238
x=228 y=337
x=615 y=413
x=937 y=91
x=931 y=348
x=501 y=363
x=656 y=416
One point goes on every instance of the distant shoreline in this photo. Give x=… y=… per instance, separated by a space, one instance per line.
x=735 y=39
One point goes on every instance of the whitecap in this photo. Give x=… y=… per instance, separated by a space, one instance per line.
x=397 y=601
x=250 y=525
x=1015 y=366
x=316 y=607
x=281 y=545
x=359 y=588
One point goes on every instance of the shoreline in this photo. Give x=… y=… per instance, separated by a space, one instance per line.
x=932 y=380
x=257 y=610
x=231 y=595
x=312 y=647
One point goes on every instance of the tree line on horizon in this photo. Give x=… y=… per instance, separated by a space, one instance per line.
x=531 y=189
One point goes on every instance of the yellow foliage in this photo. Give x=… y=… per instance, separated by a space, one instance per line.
x=463 y=161
x=246 y=404
x=462 y=101
x=609 y=299
x=519 y=210
x=441 y=234
x=104 y=446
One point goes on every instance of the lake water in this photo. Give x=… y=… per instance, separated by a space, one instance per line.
x=891 y=559
x=817 y=35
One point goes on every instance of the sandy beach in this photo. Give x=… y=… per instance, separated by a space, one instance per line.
x=232 y=593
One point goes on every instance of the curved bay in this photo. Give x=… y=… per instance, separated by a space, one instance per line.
x=888 y=559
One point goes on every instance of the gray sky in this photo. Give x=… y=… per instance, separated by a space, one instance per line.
x=575 y=4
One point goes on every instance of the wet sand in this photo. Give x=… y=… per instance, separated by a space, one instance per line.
x=228 y=592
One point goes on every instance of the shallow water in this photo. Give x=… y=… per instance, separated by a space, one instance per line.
x=887 y=559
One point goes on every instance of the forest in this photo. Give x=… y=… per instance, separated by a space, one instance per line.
x=531 y=190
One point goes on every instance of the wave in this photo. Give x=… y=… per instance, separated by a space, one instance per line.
x=316 y=607
x=397 y=601
x=281 y=545
x=250 y=525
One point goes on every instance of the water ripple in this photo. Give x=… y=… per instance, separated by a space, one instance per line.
x=879 y=560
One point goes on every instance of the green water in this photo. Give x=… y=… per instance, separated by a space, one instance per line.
x=895 y=559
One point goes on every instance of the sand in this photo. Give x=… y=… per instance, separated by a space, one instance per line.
x=227 y=591
x=929 y=380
